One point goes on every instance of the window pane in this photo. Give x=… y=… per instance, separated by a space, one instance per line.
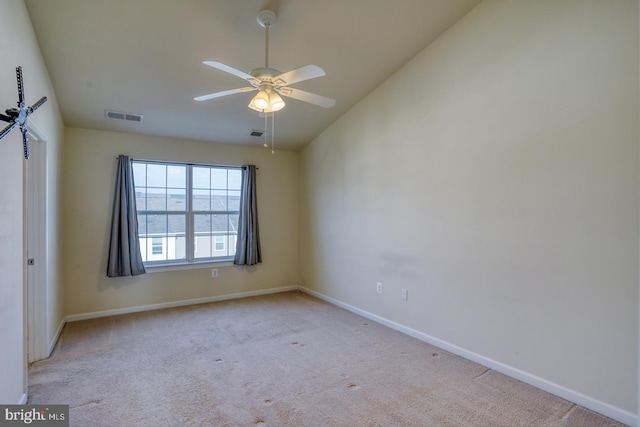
x=202 y=224
x=234 y=200
x=231 y=247
x=141 y=198
x=176 y=225
x=181 y=247
x=219 y=243
x=202 y=246
x=156 y=199
x=157 y=246
x=156 y=175
x=177 y=199
x=156 y=225
x=220 y=223
x=142 y=225
x=235 y=179
x=140 y=174
x=200 y=177
x=218 y=200
x=176 y=242
x=177 y=176
x=233 y=223
x=143 y=248
x=219 y=178
x=142 y=235
x=201 y=200
x=202 y=238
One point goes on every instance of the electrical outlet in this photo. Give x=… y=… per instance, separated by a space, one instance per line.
x=214 y=272
x=379 y=287
x=404 y=294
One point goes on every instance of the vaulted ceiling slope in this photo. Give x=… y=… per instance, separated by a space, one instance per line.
x=145 y=57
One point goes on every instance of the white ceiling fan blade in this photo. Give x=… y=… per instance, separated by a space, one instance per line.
x=299 y=74
x=223 y=93
x=311 y=98
x=228 y=69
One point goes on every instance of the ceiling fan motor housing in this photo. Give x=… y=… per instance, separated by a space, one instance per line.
x=264 y=73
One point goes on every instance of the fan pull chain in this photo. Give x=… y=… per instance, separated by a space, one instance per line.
x=273 y=132
x=265 y=130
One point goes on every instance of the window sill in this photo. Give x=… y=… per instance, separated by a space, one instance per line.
x=161 y=268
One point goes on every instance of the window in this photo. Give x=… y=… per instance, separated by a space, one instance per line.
x=186 y=212
x=156 y=246
x=219 y=243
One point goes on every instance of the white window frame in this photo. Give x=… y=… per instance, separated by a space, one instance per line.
x=189 y=261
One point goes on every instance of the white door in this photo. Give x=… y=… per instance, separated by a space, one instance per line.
x=35 y=257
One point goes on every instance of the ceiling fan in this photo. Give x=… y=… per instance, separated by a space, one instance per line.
x=271 y=84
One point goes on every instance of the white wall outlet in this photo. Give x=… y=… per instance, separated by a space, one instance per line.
x=404 y=294
x=214 y=272
x=379 y=287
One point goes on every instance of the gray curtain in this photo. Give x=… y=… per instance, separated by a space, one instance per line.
x=248 y=245
x=124 y=250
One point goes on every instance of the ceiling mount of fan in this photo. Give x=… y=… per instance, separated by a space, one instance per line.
x=269 y=82
x=266 y=18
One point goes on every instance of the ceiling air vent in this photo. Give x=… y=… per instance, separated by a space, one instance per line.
x=117 y=115
x=259 y=133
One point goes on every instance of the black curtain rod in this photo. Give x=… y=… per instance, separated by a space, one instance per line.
x=185 y=163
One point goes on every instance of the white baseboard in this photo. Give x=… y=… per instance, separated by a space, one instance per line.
x=180 y=303
x=596 y=405
x=54 y=340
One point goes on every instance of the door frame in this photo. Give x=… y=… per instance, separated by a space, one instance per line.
x=35 y=200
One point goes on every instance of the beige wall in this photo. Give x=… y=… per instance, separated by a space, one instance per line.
x=89 y=175
x=18 y=46
x=495 y=177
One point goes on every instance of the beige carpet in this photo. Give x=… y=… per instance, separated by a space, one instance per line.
x=278 y=360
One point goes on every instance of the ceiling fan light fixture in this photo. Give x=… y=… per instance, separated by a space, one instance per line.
x=267 y=102
x=276 y=103
x=260 y=102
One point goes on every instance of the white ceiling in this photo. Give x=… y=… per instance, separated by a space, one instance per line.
x=145 y=57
